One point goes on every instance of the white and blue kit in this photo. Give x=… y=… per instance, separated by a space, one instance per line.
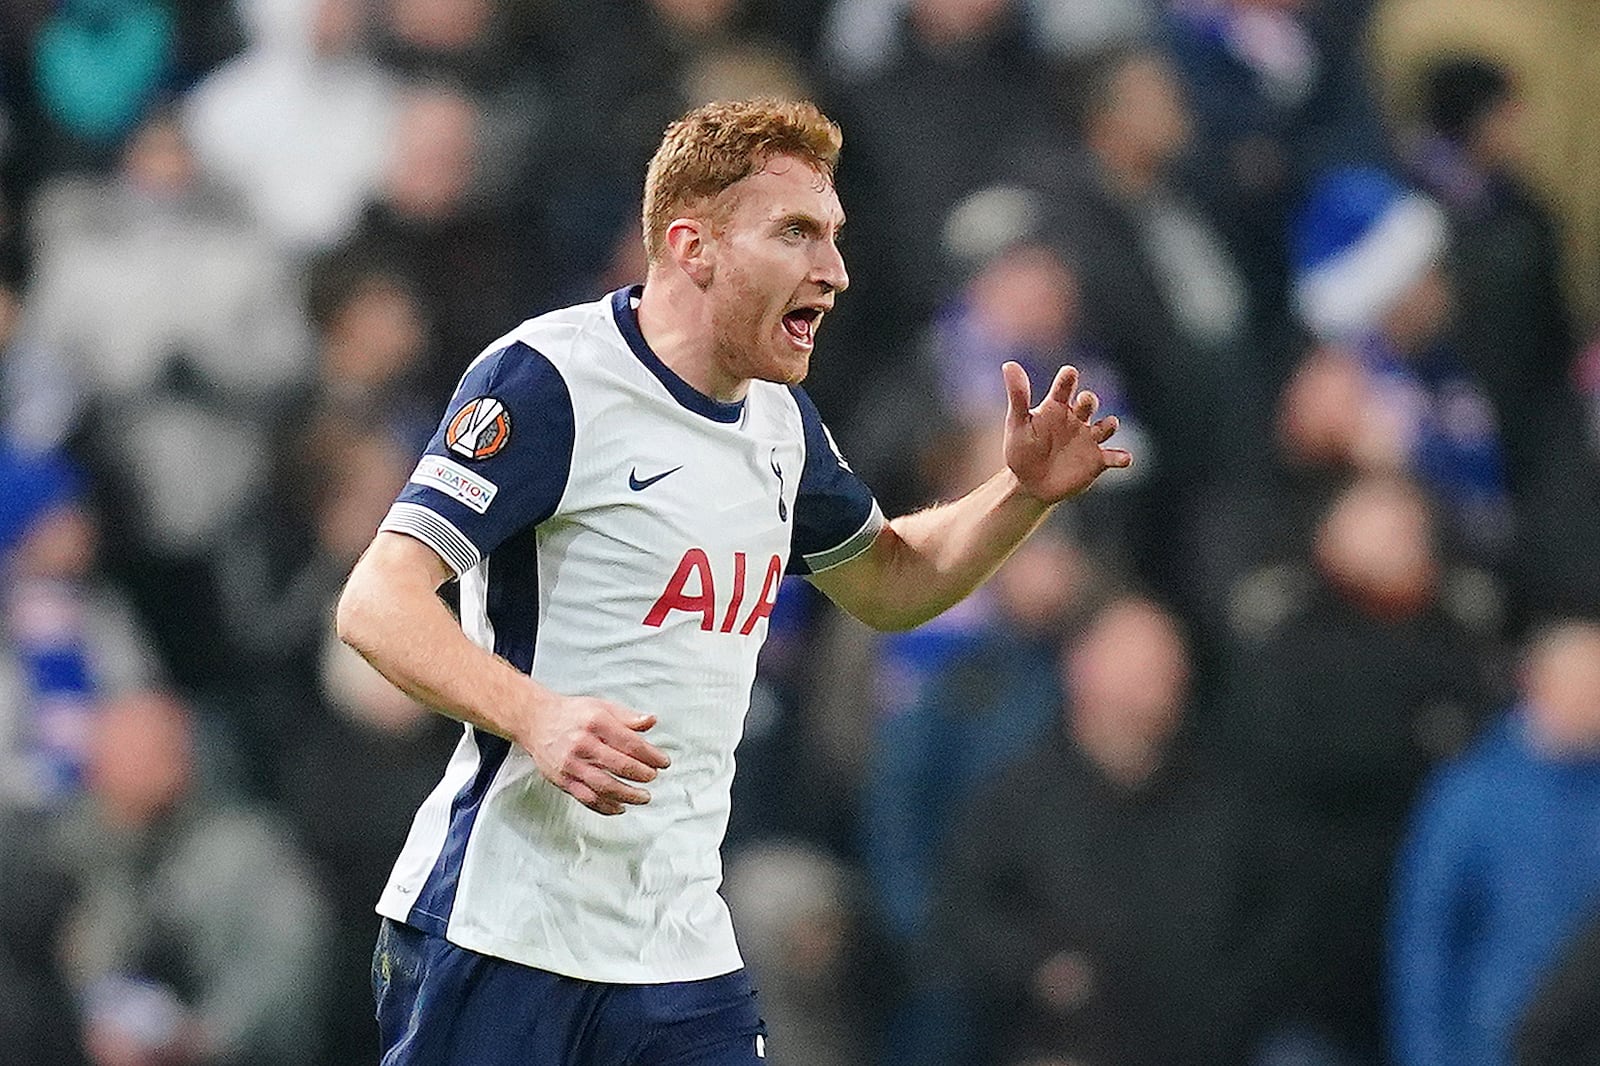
x=620 y=535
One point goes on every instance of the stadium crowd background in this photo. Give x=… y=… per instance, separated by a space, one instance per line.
x=1282 y=749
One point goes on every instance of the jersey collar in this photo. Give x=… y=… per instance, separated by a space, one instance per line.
x=627 y=316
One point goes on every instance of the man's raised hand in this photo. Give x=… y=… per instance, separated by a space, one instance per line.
x=1056 y=449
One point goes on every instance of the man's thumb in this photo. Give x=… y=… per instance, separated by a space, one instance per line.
x=1018 y=391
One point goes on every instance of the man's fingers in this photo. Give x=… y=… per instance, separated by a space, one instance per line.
x=1101 y=431
x=1085 y=405
x=1116 y=457
x=621 y=764
x=609 y=788
x=601 y=789
x=586 y=796
x=1019 y=393
x=1065 y=384
x=630 y=743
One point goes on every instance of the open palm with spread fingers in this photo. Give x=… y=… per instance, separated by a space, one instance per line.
x=1057 y=449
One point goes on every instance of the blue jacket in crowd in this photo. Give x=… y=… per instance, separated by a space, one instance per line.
x=1501 y=868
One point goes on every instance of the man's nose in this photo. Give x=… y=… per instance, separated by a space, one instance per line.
x=829 y=270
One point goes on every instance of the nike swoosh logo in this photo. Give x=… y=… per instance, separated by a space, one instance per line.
x=635 y=484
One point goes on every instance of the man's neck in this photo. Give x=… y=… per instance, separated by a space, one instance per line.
x=675 y=320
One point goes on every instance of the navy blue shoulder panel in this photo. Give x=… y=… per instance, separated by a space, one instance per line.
x=832 y=504
x=499 y=461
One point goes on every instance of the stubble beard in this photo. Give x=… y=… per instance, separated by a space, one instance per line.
x=743 y=347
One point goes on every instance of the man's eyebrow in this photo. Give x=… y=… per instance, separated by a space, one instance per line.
x=809 y=221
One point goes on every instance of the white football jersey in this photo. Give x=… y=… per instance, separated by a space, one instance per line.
x=620 y=535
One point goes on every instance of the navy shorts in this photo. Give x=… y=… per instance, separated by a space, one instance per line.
x=442 y=1005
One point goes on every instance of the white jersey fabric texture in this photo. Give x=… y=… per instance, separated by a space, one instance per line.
x=617 y=534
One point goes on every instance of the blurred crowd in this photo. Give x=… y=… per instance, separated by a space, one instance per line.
x=1281 y=748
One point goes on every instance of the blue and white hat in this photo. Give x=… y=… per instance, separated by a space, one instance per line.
x=1359 y=241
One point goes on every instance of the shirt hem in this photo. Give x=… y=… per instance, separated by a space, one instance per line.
x=718 y=964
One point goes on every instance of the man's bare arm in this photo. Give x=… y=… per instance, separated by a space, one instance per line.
x=390 y=612
x=921 y=564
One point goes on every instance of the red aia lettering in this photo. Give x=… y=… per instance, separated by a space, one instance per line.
x=694 y=561
x=694 y=564
x=768 y=598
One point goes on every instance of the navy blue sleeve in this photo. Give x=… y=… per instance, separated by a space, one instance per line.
x=836 y=517
x=498 y=462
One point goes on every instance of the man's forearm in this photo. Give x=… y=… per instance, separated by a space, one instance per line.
x=925 y=562
x=392 y=615
x=588 y=747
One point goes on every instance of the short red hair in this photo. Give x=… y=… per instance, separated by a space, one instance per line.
x=716 y=145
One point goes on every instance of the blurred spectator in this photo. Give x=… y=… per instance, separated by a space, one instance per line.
x=1102 y=895
x=197 y=935
x=859 y=37
x=962 y=702
x=1516 y=330
x=1279 y=91
x=1350 y=682
x=922 y=134
x=1502 y=865
x=1022 y=301
x=373 y=339
x=1558 y=1027
x=796 y=911
x=497 y=53
x=477 y=274
x=1514 y=327
x=159 y=335
x=99 y=64
x=1162 y=295
x=1370 y=281
x=959 y=700
x=281 y=569
x=351 y=778
x=633 y=66
x=69 y=641
x=301 y=124
x=473 y=42
x=39 y=1015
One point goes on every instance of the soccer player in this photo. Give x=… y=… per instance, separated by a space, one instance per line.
x=619 y=488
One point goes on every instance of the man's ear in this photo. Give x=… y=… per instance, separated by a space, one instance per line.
x=691 y=245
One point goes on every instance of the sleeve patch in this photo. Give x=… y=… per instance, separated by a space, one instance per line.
x=479 y=429
x=455 y=481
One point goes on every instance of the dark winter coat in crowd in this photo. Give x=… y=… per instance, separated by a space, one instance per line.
x=920 y=135
x=38 y=1010
x=1515 y=334
x=478 y=276
x=351 y=789
x=1337 y=715
x=1146 y=911
x=1558 y=1027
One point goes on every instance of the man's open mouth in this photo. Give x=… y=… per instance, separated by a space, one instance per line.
x=802 y=323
